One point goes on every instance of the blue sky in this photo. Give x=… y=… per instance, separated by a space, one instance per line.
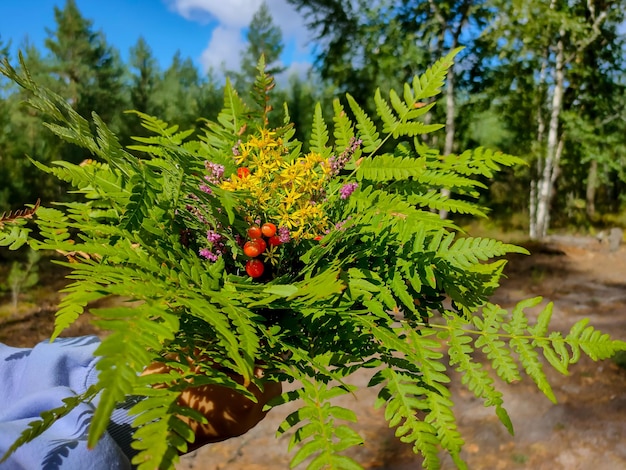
x=210 y=32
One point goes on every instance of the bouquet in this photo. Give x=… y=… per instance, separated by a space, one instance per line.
x=311 y=260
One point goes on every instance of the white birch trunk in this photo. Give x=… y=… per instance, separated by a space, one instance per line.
x=541 y=129
x=545 y=185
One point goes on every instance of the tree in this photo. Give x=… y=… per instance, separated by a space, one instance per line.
x=362 y=45
x=21 y=137
x=146 y=77
x=381 y=45
x=540 y=46
x=263 y=38
x=89 y=71
x=211 y=97
x=178 y=93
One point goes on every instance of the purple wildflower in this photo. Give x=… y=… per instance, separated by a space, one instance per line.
x=215 y=170
x=213 y=237
x=208 y=254
x=235 y=148
x=340 y=225
x=347 y=189
x=283 y=234
x=338 y=163
x=205 y=189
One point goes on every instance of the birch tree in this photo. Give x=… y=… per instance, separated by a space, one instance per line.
x=548 y=38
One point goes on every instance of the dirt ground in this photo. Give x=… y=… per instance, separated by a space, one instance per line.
x=585 y=430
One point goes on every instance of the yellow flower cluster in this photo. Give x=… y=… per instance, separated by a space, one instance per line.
x=279 y=189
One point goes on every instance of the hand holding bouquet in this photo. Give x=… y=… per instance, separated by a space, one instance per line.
x=311 y=260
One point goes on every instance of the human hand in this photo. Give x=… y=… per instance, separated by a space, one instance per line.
x=228 y=412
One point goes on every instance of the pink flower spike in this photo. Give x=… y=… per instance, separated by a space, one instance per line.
x=283 y=234
x=347 y=189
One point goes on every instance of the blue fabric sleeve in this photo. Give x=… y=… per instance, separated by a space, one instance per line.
x=36 y=380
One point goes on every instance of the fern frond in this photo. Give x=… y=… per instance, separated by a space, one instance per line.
x=231 y=118
x=125 y=354
x=491 y=343
x=480 y=161
x=403 y=397
x=22 y=214
x=595 y=344
x=17 y=234
x=468 y=251
x=320 y=439
x=452 y=180
x=72 y=305
x=319 y=134
x=429 y=84
x=437 y=201
x=343 y=131
x=138 y=204
x=473 y=374
x=367 y=128
x=390 y=121
x=389 y=167
x=161 y=435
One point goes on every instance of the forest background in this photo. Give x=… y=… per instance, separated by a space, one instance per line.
x=540 y=79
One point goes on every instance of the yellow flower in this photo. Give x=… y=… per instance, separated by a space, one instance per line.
x=278 y=190
x=271 y=255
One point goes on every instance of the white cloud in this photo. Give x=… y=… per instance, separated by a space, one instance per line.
x=230 y=13
x=233 y=16
x=223 y=49
x=300 y=69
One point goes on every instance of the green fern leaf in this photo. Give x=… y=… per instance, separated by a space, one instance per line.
x=343 y=128
x=473 y=374
x=48 y=418
x=319 y=134
x=430 y=83
x=15 y=235
x=468 y=251
x=328 y=439
x=389 y=168
x=436 y=201
x=390 y=122
x=595 y=344
x=402 y=396
x=368 y=132
x=492 y=345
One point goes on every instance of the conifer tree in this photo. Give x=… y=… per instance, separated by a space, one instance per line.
x=178 y=92
x=89 y=71
x=143 y=86
x=263 y=38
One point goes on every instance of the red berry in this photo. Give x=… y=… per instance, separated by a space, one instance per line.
x=268 y=229
x=243 y=172
x=318 y=238
x=255 y=268
x=253 y=248
x=274 y=241
x=262 y=244
x=254 y=232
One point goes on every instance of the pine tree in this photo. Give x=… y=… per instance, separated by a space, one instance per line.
x=146 y=77
x=178 y=93
x=89 y=71
x=264 y=38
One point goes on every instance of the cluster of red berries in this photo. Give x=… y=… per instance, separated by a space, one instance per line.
x=257 y=245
